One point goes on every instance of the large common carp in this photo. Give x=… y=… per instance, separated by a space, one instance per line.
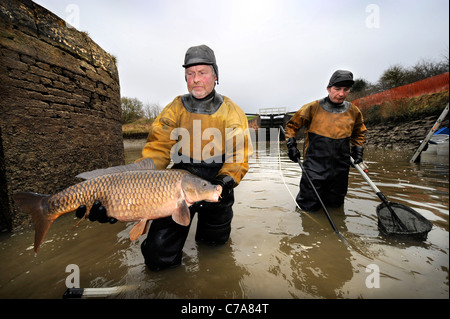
x=134 y=192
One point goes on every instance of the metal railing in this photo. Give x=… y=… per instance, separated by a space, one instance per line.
x=272 y=111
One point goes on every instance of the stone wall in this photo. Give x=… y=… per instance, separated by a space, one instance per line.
x=59 y=102
x=406 y=135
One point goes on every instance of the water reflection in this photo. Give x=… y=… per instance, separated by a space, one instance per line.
x=320 y=263
x=274 y=251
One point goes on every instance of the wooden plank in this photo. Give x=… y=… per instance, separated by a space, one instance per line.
x=429 y=135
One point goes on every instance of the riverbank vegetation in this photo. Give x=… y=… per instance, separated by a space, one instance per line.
x=134 y=110
x=408 y=109
x=137 y=129
x=398 y=75
x=137 y=117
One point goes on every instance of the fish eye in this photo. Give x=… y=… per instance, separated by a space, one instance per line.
x=204 y=184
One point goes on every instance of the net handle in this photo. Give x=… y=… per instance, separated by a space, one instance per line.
x=380 y=195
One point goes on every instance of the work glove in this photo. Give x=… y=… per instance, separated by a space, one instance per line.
x=293 y=152
x=357 y=154
x=227 y=182
x=97 y=213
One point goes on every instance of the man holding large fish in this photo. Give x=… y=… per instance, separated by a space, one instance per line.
x=205 y=135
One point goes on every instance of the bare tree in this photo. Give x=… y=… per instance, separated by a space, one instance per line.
x=131 y=109
x=394 y=76
x=151 y=111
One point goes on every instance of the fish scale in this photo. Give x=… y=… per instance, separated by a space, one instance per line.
x=128 y=195
x=117 y=191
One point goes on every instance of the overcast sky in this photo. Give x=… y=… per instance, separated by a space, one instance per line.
x=270 y=53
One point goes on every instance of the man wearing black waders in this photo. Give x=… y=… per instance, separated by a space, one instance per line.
x=206 y=134
x=334 y=131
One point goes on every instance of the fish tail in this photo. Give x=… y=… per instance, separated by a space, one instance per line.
x=37 y=206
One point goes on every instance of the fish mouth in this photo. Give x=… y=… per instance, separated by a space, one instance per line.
x=217 y=193
x=214 y=198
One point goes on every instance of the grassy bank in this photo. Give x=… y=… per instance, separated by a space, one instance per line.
x=407 y=109
x=137 y=129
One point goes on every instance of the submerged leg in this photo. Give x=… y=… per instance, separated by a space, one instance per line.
x=163 y=246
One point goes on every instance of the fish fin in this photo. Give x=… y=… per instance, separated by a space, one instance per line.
x=79 y=222
x=144 y=164
x=138 y=229
x=36 y=205
x=147 y=226
x=181 y=215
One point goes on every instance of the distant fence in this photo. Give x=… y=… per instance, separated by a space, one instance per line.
x=434 y=84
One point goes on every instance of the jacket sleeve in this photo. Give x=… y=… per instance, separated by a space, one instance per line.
x=159 y=143
x=238 y=144
x=300 y=119
x=359 y=130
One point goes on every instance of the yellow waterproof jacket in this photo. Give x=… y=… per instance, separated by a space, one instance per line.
x=334 y=126
x=219 y=138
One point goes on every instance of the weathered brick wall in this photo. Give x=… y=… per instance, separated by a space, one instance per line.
x=59 y=103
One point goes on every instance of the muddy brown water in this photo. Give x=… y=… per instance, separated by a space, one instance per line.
x=274 y=251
